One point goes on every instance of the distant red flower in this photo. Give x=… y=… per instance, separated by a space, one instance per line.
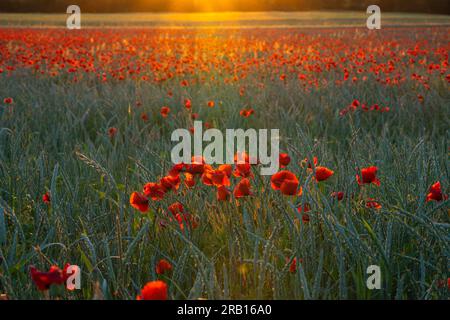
x=338 y=195
x=186 y=219
x=139 y=202
x=284 y=159
x=46 y=198
x=211 y=104
x=112 y=132
x=187 y=104
x=306 y=208
x=163 y=266
x=293 y=265
x=43 y=280
x=8 y=100
x=369 y=175
x=355 y=103
x=154 y=191
x=435 y=193
x=194 y=116
x=371 y=203
x=165 y=112
x=308 y=163
x=154 y=290
x=144 y=116
x=246 y=112
x=323 y=173
x=242 y=189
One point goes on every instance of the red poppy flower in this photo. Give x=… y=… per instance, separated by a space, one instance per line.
x=189 y=180
x=176 y=208
x=197 y=165
x=112 y=132
x=163 y=266
x=194 y=116
x=242 y=189
x=435 y=193
x=154 y=290
x=216 y=177
x=369 y=175
x=338 y=195
x=46 y=198
x=243 y=170
x=284 y=159
x=8 y=100
x=187 y=104
x=170 y=183
x=227 y=168
x=323 y=173
x=165 y=111
x=139 y=202
x=285 y=181
x=371 y=203
x=211 y=104
x=223 y=194
x=289 y=187
x=176 y=169
x=43 y=280
x=154 y=191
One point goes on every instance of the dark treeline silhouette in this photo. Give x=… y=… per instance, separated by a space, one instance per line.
x=425 y=6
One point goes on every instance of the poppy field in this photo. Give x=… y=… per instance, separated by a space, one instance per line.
x=86 y=177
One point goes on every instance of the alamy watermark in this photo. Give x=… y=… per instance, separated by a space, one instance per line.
x=73 y=281
x=74 y=20
x=213 y=153
x=374 y=20
x=374 y=280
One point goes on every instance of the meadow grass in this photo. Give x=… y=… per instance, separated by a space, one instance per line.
x=55 y=139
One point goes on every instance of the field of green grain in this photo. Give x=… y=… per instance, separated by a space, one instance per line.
x=69 y=89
